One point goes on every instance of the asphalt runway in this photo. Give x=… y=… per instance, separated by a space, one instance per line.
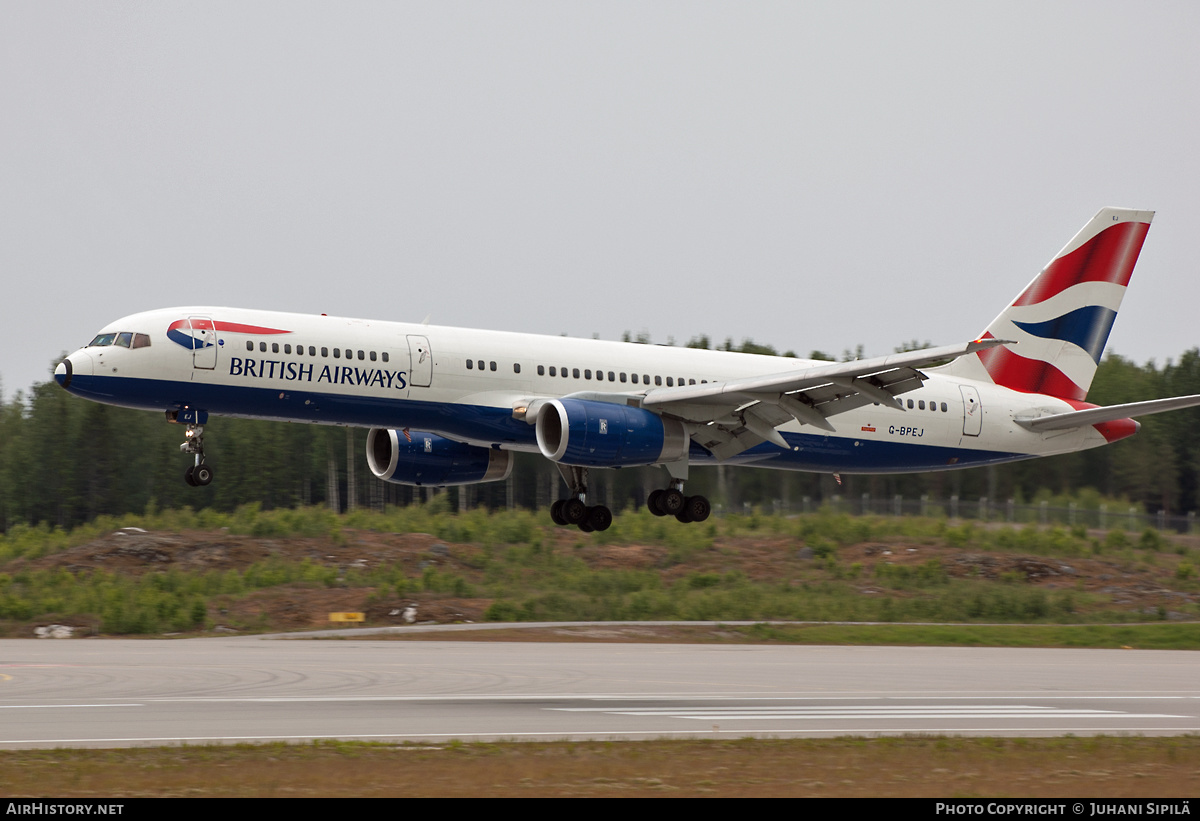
x=116 y=693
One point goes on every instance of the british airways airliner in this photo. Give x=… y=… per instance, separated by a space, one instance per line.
x=449 y=406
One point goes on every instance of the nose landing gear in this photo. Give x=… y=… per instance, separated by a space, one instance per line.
x=198 y=474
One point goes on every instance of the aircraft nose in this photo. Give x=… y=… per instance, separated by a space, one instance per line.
x=63 y=373
x=77 y=363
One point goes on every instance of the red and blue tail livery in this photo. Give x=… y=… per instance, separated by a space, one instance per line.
x=449 y=406
x=1059 y=324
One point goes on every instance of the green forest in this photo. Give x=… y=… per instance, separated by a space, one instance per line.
x=64 y=461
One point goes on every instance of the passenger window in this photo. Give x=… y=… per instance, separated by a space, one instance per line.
x=670 y=382
x=646 y=378
x=575 y=372
x=274 y=347
x=564 y=373
x=944 y=410
x=141 y=341
x=553 y=371
x=249 y=345
x=612 y=377
x=691 y=381
x=287 y=348
x=372 y=356
x=337 y=353
x=385 y=356
x=622 y=376
x=470 y=365
x=262 y=346
x=542 y=370
x=657 y=380
x=516 y=367
x=362 y=355
x=634 y=378
x=492 y=365
x=910 y=404
x=921 y=404
x=587 y=374
x=324 y=352
x=480 y=364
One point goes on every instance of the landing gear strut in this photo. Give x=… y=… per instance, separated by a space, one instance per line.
x=574 y=509
x=198 y=474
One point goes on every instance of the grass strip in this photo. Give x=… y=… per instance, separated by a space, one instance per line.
x=933 y=767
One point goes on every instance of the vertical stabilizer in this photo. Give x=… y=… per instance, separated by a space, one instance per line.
x=1061 y=321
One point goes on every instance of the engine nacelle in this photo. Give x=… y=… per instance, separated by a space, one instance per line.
x=431 y=460
x=605 y=434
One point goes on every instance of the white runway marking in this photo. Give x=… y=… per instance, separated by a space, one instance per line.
x=877 y=712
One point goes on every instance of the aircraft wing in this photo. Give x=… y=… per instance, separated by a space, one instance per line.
x=1094 y=416
x=740 y=413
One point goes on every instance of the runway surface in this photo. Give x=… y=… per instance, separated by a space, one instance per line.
x=115 y=693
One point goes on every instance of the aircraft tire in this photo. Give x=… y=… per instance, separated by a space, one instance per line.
x=202 y=475
x=574 y=511
x=599 y=517
x=187 y=476
x=698 y=508
x=652 y=502
x=556 y=514
x=671 y=501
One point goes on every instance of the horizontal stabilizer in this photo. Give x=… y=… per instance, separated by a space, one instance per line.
x=1095 y=416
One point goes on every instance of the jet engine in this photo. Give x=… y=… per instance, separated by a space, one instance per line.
x=605 y=434
x=426 y=459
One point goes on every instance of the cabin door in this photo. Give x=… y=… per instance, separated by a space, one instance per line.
x=972 y=411
x=204 y=342
x=420 y=372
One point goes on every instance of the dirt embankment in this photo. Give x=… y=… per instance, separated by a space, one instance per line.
x=1148 y=587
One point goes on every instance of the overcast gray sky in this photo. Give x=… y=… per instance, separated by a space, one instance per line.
x=811 y=175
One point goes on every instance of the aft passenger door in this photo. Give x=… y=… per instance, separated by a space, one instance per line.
x=420 y=371
x=972 y=411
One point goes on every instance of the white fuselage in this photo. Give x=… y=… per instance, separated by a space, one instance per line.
x=472 y=386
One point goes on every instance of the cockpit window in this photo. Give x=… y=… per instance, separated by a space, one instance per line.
x=124 y=339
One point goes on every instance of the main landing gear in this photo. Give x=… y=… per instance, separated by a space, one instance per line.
x=671 y=502
x=199 y=474
x=574 y=509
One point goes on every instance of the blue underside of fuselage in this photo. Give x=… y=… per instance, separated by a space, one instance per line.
x=819 y=453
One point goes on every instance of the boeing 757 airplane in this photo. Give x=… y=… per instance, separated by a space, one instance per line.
x=449 y=406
